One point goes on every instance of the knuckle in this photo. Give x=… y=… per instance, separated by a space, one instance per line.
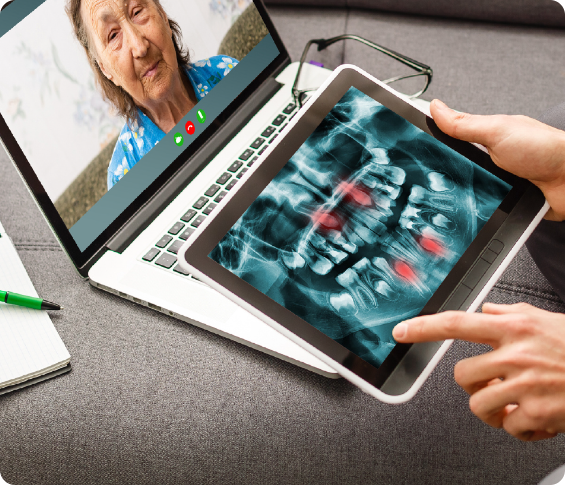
x=453 y=322
x=520 y=324
x=535 y=414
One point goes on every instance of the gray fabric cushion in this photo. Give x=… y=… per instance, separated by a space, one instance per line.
x=153 y=400
x=534 y=12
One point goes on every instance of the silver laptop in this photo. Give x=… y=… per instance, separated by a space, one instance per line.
x=150 y=113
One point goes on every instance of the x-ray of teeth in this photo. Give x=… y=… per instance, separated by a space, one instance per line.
x=362 y=225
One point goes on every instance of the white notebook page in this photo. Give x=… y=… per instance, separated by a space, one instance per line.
x=29 y=344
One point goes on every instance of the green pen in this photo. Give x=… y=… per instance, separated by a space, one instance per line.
x=27 y=301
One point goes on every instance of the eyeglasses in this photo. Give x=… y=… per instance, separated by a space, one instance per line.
x=422 y=70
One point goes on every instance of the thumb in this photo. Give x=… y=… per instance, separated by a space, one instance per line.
x=472 y=128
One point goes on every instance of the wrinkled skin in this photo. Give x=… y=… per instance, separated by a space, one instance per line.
x=133 y=46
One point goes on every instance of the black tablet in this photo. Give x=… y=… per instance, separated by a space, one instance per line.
x=363 y=214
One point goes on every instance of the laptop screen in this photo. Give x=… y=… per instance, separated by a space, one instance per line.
x=103 y=96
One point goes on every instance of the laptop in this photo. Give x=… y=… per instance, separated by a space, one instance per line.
x=151 y=112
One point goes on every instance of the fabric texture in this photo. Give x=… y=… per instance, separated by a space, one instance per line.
x=532 y=12
x=138 y=138
x=152 y=400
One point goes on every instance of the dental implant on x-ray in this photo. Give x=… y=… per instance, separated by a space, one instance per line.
x=361 y=226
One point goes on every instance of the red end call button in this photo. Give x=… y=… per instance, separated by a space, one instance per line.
x=190 y=127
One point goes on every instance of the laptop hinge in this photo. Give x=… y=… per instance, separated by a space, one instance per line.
x=166 y=194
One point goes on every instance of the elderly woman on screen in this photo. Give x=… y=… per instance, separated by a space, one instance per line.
x=143 y=70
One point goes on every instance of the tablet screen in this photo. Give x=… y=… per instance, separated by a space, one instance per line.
x=361 y=225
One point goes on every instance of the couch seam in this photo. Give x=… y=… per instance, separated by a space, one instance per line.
x=547 y=295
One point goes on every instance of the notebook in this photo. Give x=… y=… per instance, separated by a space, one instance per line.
x=30 y=347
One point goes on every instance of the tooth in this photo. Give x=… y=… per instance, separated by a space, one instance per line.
x=394 y=175
x=352 y=236
x=338 y=239
x=318 y=263
x=379 y=155
x=362 y=295
x=440 y=182
x=440 y=220
x=368 y=218
x=384 y=289
x=293 y=260
x=412 y=217
x=375 y=277
x=327 y=250
x=391 y=190
x=384 y=203
x=363 y=232
x=403 y=246
x=435 y=200
x=343 y=303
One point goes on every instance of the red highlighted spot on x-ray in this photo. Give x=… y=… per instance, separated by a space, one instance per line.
x=404 y=270
x=327 y=220
x=354 y=193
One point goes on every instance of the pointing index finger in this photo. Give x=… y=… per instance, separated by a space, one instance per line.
x=474 y=327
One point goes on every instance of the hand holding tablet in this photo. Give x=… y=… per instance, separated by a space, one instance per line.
x=518 y=144
x=362 y=215
x=520 y=385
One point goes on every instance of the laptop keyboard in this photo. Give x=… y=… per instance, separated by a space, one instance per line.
x=164 y=251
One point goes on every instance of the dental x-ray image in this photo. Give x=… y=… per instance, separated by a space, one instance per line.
x=362 y=225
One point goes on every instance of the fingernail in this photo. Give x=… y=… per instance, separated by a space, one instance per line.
x=440 y=104
x=399 y=331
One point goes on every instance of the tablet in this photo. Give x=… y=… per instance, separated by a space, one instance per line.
x=362 y=215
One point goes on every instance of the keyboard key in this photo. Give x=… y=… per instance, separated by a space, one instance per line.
x=231 y=184
x=178 y=269
x=282 y=127
x=189 y=215
x=260 y=152
x=211 y=192
x=257 y=143
x=289 y=109
x=200 y=203
x=209 y=209
x=235 y=166
x=189 y=231
x=150 y=256
x=166 y=261
x=273 y=139
x=224 y=178
x=174 y=248
x=279 y=120
x=199 y=220
x=220 y=197
x=164 y=241
x=268 y=131
x=252 y=161
x=176 y=228
x=242 y=173
x=246 y=155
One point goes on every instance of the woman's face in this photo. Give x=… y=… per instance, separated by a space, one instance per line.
x=133 y=45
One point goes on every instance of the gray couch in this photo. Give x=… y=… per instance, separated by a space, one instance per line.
x=152 y=400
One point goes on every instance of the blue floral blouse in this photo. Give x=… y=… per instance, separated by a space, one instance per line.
x=137 y=140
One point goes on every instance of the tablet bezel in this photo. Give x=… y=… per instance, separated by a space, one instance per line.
x=195 y=253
